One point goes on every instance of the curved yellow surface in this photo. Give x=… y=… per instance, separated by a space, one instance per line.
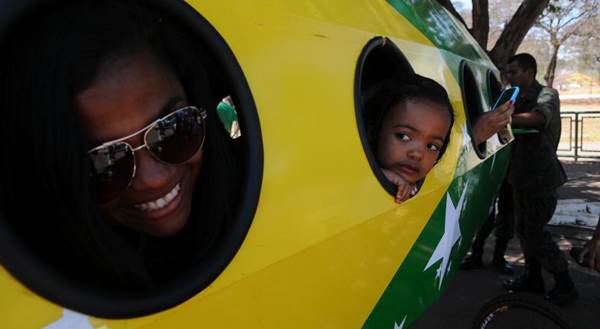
x=326 y=238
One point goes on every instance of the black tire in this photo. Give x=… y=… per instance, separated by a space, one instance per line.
x=519 y=311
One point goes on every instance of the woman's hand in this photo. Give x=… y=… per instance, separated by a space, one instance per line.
x=491 y=123
x=592 y=250
x=405 y=189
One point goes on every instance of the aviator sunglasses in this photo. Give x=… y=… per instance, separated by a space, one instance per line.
x=172 y=139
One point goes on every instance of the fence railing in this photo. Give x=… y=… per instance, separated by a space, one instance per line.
x=580 y=136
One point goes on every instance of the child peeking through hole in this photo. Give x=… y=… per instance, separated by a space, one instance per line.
x=408 y=124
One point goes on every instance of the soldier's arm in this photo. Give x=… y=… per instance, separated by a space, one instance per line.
x=528 y=120
x=548 y=105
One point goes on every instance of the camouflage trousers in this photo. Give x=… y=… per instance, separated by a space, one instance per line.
x=533 y=210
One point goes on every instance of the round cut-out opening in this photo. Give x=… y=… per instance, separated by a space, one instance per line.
x=39 y=216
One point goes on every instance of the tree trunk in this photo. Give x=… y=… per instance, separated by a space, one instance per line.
x=515 y=31
x=481 y=22
x=549 y=76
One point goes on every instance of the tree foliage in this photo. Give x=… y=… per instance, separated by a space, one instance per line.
x=563 y=19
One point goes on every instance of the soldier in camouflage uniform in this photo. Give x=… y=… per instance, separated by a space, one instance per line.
x=535 y=174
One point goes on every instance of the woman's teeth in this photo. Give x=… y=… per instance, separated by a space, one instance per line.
x=159 y=203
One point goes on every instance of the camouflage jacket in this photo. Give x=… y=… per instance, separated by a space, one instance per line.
x=534 y=165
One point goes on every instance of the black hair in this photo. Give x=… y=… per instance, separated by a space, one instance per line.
x=391 y=92
x=49 y=57
x=525 y=61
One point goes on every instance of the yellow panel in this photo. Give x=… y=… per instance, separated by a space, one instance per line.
x=16 y=297
x=300 y=66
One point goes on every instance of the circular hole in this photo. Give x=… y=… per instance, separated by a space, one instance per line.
x=473 y=104
x=415 y=136
x=379 y=62
x=52 y=237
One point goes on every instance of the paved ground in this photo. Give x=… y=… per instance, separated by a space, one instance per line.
x=470 y=289
x=584 y=181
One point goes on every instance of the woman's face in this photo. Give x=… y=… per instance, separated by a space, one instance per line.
x=128 y=94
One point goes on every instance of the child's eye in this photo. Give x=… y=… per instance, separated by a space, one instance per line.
x=434 y=147
x=402 y=136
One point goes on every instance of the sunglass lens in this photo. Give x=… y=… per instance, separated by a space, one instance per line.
x=176 y=138
x=112 y=170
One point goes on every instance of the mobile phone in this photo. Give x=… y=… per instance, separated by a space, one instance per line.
x=508 y=94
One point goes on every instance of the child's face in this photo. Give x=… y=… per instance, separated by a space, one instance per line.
x=411 y=137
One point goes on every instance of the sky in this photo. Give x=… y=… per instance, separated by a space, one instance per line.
x=465 y=4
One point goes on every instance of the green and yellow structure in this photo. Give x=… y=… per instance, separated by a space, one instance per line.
x=326 y=246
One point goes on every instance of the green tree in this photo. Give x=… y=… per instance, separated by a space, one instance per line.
x=561 y=20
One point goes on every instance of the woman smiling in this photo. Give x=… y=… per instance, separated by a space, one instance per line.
x=131 y=174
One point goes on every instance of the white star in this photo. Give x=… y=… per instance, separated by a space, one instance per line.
x=401 y=326
x=451 y=236
x=71 y=320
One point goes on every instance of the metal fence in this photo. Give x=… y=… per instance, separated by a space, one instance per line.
x=580 y=137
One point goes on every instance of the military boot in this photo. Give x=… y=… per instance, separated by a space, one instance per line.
x=564 y=290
